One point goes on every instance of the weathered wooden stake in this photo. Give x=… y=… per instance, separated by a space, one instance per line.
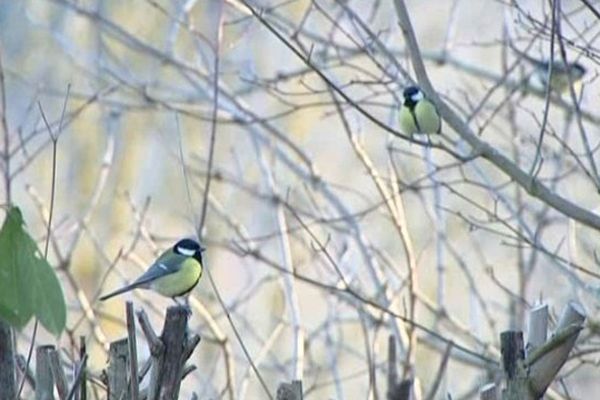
x=528 y=376
x=290 y=391
x=545 y=361
x=537 y=330
x=169 y=352
x=44 y=382
x=118 y=362
x=488 y=392
x=513 y=356
x=133 y=363
x=404 y=389
x=81 y=394
x=392 y=367
x=7 y=361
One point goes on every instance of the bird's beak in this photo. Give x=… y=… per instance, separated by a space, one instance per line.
x=202 y=249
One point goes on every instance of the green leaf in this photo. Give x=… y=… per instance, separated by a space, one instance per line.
x=28 y=284
x=49 y=301
x=15 y=306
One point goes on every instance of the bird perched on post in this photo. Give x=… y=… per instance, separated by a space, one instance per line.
x=418 y=114
x=174 y=273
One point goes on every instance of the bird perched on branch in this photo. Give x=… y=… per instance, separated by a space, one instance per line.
x=175 y=273
x=418 y=114
x=559 y=81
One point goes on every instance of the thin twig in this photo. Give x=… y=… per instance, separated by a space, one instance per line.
x=54 y=139
x=238 y=336
x=59 y=374
x=132 y=342
x=440 y=372
x=6 y=135
x=213 y=127
x=79 y=377
x=533 y=171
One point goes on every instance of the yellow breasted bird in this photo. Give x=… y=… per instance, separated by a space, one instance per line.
x=559 y=81
x=418 y=114
x=175 y=273
x=561 y=72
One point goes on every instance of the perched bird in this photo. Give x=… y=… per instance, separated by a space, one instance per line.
x=417 y=114
x=175 y=273
x=559 y=81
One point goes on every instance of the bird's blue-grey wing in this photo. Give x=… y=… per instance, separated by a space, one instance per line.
x=157 y=270
x=165 y=265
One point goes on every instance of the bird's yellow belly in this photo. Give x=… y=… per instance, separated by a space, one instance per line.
x=180 y=282
x=407 y=122
x=431 y=123
x=425 y=114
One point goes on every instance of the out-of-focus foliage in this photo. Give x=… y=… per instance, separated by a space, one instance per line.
x=28 y=284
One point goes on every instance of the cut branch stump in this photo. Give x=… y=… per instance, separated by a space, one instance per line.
x=530 y=369
x=290 y=391
x=169 y=352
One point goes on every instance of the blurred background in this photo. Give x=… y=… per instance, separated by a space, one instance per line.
x=312 y=208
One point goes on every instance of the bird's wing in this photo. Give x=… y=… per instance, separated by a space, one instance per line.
x=166 y=264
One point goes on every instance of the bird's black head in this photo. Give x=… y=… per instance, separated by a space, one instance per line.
x=578 y=70
x=189 y=248
x=412 y=95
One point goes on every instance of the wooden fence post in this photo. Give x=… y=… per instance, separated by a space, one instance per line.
x=132 y=344
x=406 y=389
x=513 y=356
x=81 y=394
x=530 y=369
x=289 y=391
x=44 y=382
x=169 y=352
x=545 y=361
x=7 y=362
x=118 y=362
x=488 y=392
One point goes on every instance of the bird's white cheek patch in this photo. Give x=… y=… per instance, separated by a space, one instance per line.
x=185 y=252
x=417 y=96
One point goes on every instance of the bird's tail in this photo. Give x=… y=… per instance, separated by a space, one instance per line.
x=119 y=291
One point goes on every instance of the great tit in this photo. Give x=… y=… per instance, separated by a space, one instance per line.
x=417 y=114
x=559 y=81
x=175 y=273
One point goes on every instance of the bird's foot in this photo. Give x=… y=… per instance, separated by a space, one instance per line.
x=185 y=304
